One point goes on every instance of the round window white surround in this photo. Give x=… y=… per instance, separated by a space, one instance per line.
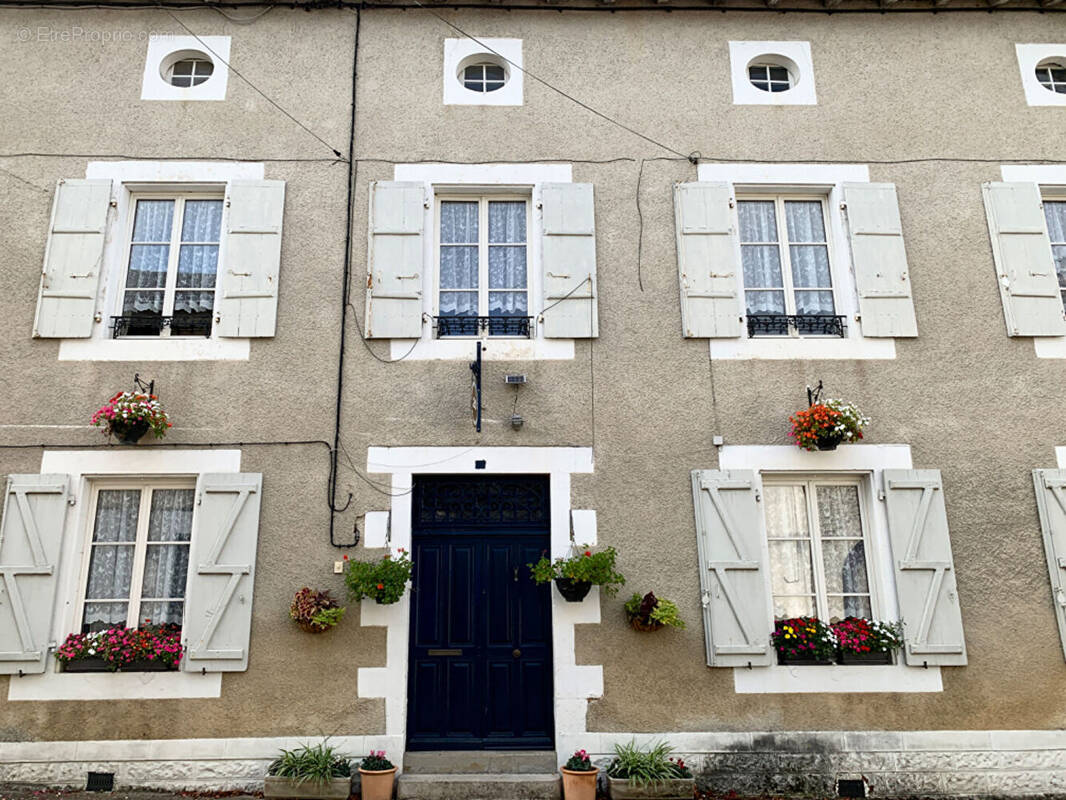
x=166 y=67
x=487 y=78
x=773 y=73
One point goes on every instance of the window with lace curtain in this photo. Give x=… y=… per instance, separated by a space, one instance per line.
x=787 y=271
x=817 y=541
x=137 y=558
x=169 y=284
x=483 y=257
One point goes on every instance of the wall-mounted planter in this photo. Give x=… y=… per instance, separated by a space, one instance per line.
x=100 y=665
x=333 y=789
x=571 y=590
x=673 y=789
x=865 y=658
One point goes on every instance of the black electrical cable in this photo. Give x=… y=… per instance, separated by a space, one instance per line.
x=349 y=212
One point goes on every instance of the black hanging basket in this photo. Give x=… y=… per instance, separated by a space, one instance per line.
x=129 y=432
x=571 y=590
x=828 y=442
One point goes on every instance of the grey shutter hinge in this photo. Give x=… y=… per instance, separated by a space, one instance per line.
x=758 y=496
x=72 y=500
x=880 y=494
x=843 y=206
x=113 y=203
x=98 y=317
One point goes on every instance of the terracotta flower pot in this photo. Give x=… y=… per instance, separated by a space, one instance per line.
x=377 y=783
x=579 y=785
x=127 y=431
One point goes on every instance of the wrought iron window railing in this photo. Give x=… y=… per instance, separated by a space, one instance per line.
x=518 y=327
x=153 y=325
x=803 y=324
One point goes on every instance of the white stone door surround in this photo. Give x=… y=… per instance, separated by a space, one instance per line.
x=573 y=684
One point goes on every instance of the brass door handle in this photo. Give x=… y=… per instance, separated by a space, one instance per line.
x=516 y=652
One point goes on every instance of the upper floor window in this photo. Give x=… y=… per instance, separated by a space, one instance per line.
x=484 y=77
x=169 y=288
x=770 y=77
x=818 y=560
x=1055 y=214
x=788 y=285
x=138 y=558
x=1052 y=76
x=483 y=258
x=190 y=72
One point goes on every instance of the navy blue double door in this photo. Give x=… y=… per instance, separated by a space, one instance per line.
x=480 y=673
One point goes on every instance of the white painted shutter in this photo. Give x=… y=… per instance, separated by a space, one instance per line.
x=569 y=261
x=1051 y=502
x=246 y=304
x=707 y=260
x=395 y=260
x=886 y=307
x=31 y=533
x=925 y=571
x=218 y=602
x=73 y=259
x=1025 y=267
x=732 y=568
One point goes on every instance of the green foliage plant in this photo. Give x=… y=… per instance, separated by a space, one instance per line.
x=315 y=611
x=375 y=762
x=582 y=567
x=648 y=766
x=384 y=581
x=306 y=764
x=580 y=762
x=650 y=612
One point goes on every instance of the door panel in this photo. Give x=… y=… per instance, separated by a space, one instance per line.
x=480 y=672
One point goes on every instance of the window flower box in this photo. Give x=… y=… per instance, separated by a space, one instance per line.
x=848 y=658
x=102 y=665
x=804 y=661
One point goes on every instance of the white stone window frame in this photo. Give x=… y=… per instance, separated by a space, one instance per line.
x=483 y=180
x=794 y=56
x=461 y=53
x=803 y=179
x=1051 y=178
x=165 y=51
x=1030 y=56
x=129 y=178
x=867 y=462
x=484 y=246
x=84 y=467
x=573 y=684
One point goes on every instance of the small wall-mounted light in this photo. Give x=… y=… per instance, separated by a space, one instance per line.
x=514 y=379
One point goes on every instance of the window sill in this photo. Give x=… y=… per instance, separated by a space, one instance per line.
x=493 y=349
x=1050 y=346
x=798 y=348
x=115 y=686
x=194 y=348
x=857 y=679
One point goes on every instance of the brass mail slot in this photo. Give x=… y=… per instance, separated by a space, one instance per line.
x=444 y=652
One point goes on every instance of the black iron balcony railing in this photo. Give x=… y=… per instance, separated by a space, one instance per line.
x=153 y=324
x=517 y=327
x=803 y=324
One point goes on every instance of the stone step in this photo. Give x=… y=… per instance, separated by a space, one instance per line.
x=479 y=762
x=498 y=786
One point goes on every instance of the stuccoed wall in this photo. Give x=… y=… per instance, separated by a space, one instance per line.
x=891 y=88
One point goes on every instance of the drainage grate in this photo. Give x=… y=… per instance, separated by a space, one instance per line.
x=100 y=782
x=854 y=787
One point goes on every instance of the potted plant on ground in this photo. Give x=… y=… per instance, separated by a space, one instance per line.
x=376 y=774
x=862 y=641
x=315 y=772
x=637 y=773
x=650 y=613
x=579 y=777
x=121 y=649
x=384 y=581
x=803 y=641
x=130 y=415
x=315 y=612
x=576 y=575
x=827 y=424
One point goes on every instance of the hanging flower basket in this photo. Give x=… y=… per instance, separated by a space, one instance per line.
x=571 y=590
x=576 y=575
x=315 y=612
x=128 y=416
x=828 y=424
x=383 y=581
x=650 y=613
